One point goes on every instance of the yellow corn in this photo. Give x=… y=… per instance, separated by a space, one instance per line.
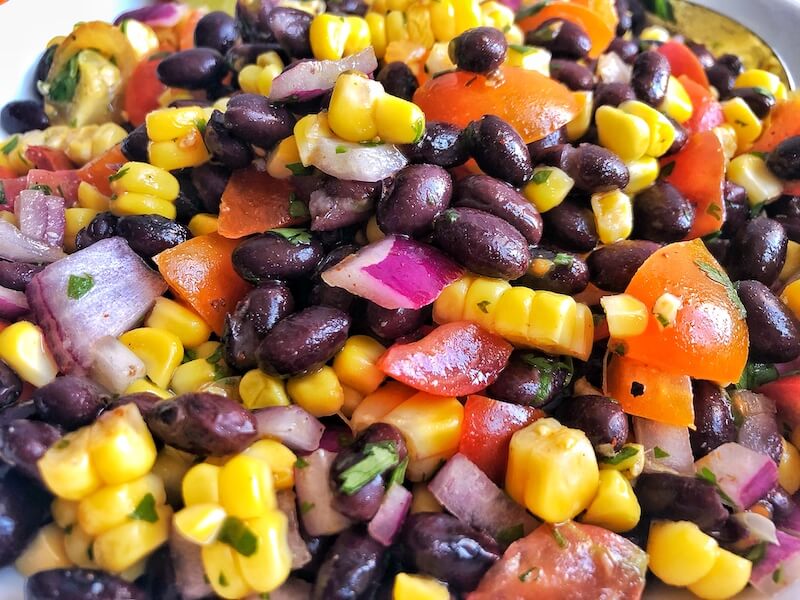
x=552 y=470
x=677 y=104
x=613 y=214
x=396 y=30
x=728 y=576
x=578 y=127
x=377 y=32
x=207 y=349
x=120 y=445
x=615 y=506
x=438 y=60
x=792 y=263
x=8 y=216
x=129 y=203
x=789 y=468
x=418 y=587
x=12 y=154
x=248 y=78
x=352 y=398
x=431 y=425
x=112 y=505
x=320 y=392
x=513 y=310
x=45 y=552
x=259 y=390
x=552 y=320
x=193 y=375
x=547 y=188
x=662 y=132
x=122 y=547
x=631 y=467
x=284 y=154
x=75 y=220
x=423 y=500
x=186 y=151
x=530 y=58
x=203 y=224
x=67 y=469
x=280 y=459
x=160 y=350
x=200 y=523
x=380 y=403
x=741 y=117
x=751 y=172
x=763 y=79
x=79 y=547
x=65 y=512
x=791 y=297
x=373 y=231
x=680 y=554
x=625 y=134
x=497 y=15
x=167 y=124
x=443 y=20
x=398 y=121
x=201 y=485
x=179 y=320
x=358 y=38
x=418 y=24
x=90 y=197
x=142 y=178
x=626 y=316
x=145 y=385
x=482 y=298
x=643 y=174
x=354 y=365
x=269 y=566
x=351 y=109
x=467 y=15
x=246 y=488
x=222 y=571
x=328 y=36
x=170 y=466
x=22 y=347
x=654 y=33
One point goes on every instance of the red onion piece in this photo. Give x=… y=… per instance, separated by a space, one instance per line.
x=291 y=425
x=9 y=190
x=41 y=217
x=745 y=476
x=468 y=493
x=391 y=515
x=612 y=69
x=60 y=183
x=287 y=503
x=114 y=366
x=330 y=211
x=671 y=439
x=16 y=246
x=395 y=272
x=308 y=79
x=166 y=14
x=13 y=304
x=311 y=482
x=116 y=290
x=784 y=556
x=190 y=576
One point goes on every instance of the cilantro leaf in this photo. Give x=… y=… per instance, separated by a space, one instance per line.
x=119 y=174
x=63 y=86
x=719 y=277
x=299 y=170
x=238 y=536
x=541 y=176
x=295 y=236
x=9 y=146
x=378 y=458
x=79 y=285
x=145 y=510
x=660 y=453
x=623 y=455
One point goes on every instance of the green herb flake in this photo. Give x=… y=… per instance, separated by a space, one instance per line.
x=238 y=536
x=756 y=554
x=510 y=534
x=756 y=209
x=667 y=169
x=222 y=580
x=519 y=49
x=662 y=9
x=63 y=443
x=119 y=174
x=399 y=473
x=531 y=574
x=563 y=260
x=300 y=463
x=79 y=285
x=419 y=130
x=90 y=552
x=63 y=86
x=295 y=236
x=757 y=374
x=215 y=356
x=297 y=169
x=707 y=474
x=560 y=540
x=9 y=146
x=777 y=574
x=2 y=194
x=715 y=210
x=145 y=510
x=371 y=143
x=201 y=126
x=764 y=92
x=45 y=189
x=264 y=596
x=378 y=458
x=306 y=506
x=529 y=11
x=541 y=176
x=340 y=149
x=662 y=320
x=717 y=276
x=619 y=349
x=482 y=305
x=660 y=452
x=297 y=209
x=761 y=155
x=621 y=456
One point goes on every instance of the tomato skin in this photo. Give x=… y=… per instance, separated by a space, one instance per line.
x=533 y=104
x=97 y=171
x=48 y=159
x=487 y=429
x=568 y=560
x=786 y=394
x=456 y=359
x=783 y=122
x=707 y=112
x=6 y=173
x=600 y=33
x=683 y=61
x=143 y=91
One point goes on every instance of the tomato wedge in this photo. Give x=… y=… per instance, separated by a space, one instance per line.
x=786 y=394
x=487 y=429
x=706 y=111
x=533 y=104
x=142 y=91
x=568 y=560
x=683 y=61
x=600 y=33
x=456 y=359
x=97 y=171
x=783 y=122
x=703 y=187
x=709 y=338
x=645 y=391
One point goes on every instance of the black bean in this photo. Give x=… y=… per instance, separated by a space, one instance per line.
x=419 y=195
x=17 y=275
x=443 y=144
x=563 y=38
x=719 y=248
x=347 y=7
x=613 y=94
x=479 y=50
x=147 y=235
x=102 y=226
x=678 y=498
x=203 y=423
x=80 y=584
x=531 y=379
x=398 y=80
x=759 y=251
x=440 y=545
x=702 y=53
x=223 y=146
x=159 y=576
x=10 y=386
x=19 y=116
x=556 y=138
x=558 y=272
x=786 y=211
x=731 y=62
x=596 y=169
x=392 y=323
x=650 y=77
x=291 y=27
x=737 y=209
x=681 y=137
x=721 y=78
x=600 y=418
x=784 y=160
x=253 y=119
x=612 y=266
x=662 y=214
x=482 y=242
x=325 y=295
x=784 y=507
x=210 y=180
x=624 y=15
x=713 y=418
x=560 y=155
x=134 y=146
x=23 y=442
x=774 y=330
x=193 y=69
x=216 y=30
x=760 y=101
x=573 y=75
x=23 y=507
x=502 y=200
x=625 y=49
x=272 y=255
x=242 y=55
x=254 y=316
x=186 y=206
x=340 y=203
x=70 y=401
x=352 y=569
x=144 y=401
x=303 y=341
x=42 y=68
x=499 y=150
x=571 y=226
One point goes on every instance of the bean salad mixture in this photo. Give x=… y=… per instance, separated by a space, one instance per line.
x=400 y=299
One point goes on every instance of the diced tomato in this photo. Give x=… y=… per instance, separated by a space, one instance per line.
x=143 y=91
x=600 y=33
x=792 y=188
x=58 y=183
x=6 y=173
x=569 y=560
x=783 y=122
x=487 y=429
x=706 y=111
x=683 y=61
x=101 y=168
x=254 y=202
x=786 y=394
x=645 y=391
x=200 y=272
x=456 y=359
x=533 y=104
x=702 y=186
x=10 y=189
x=48 y=159
x=709 y=339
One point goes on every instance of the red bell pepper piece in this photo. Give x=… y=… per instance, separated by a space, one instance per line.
x=786 y=394
x=707 y=112
x=683 y=61
x=57 y=183
x=48 y=159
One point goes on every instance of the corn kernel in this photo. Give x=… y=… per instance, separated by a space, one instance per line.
x=615 y=506
x=662 y=132
x=269 y=566
x=398 y=121
x=122 y=547
x=625 y=134
x=358 y=37
x=351 y=109
x=75 y=220
x=280 y=459
x=578 y=127
x=354 y=365
x=8 y=217
x=248 y=78
x=45 y=552
x=763 y=79
x=396 y=30
x=171 y=465
x=791 y=297
x=677 y=105
x=552 y=470
x=613 y=214
x=431 y=425
x=65 y=512
x=377 y=32
x=626 y=316
x=112 y=505
x=512 y=313
x=266 y=77
x=203 y=224
x=680 y=554
x=23 y=348
x=201 y=485
x=744 y=121
x=320 y=392
x=728 y=576
x=208 y=349
x=449 y=306
x=200 y=523
x=142 y=178
x=180 y=320
x=352 y=398
x=418 y=587
x=259 y=390
x=187 y=151
x=161 y=352
x=222 y=571
x=467 y=14
x=328 y=36
x=530 y=58
x=170 y=123
x=438 y=60
x=751 y=172
x=90 y=197
x=792 y=263
x=482 y=301
x=654 y=33
x=665 y=309
x=192 y=375
x=552 y=322
x=631 y=466
x=129 y=203
x=147 y=386
x=78 y=546
x=643 y=173
x=580 y=345
x=284 y=154
x=789 y=468
x=423 y=500
x=373 y=230
x=548 y=188
x=497 y=15
x=246 y=489
x=67 y=469
x=120 y=445
x=380 y=403
x=443 y=22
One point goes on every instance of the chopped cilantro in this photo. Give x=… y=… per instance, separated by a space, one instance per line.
x=621 y=456
x=119 y=174
x=298 y=169
x=399 y=473
x=519 y=49
x=63 y=443
x=756 y=374
x=2 y=194
x=238 y=536
x=719 y=277
x=662 y=320
x=715 y=210
x=482 y=306
x=667 y=169
x=223 y=581
x=9 y=146
x=378 y=457
x=756 y=209
x=79 y=285
x=660 y=453
x=300 y=463
x=526 y=575
x=707 y=474
x=662 y=9
x=541 y=176
x=560 y=540
x=510 y=534
x=756 y=554
x=297 y=208
x=145 y=510
x=201 y=126
x=340 y=149
x=295 y=236
x=45 y=189
x=761 y=155
x=419 y=130
x=531 y=10
x=619 y=349
x=63 y=86
x=562 y=259
x=306 y=506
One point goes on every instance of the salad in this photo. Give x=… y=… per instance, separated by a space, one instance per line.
x=405 y=299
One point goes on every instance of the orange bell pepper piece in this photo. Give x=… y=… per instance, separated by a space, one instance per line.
x=97 y=171
x=605 y=9
x=200 y=272
x=707 y=112
x=599 y=31
x=783 y=122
